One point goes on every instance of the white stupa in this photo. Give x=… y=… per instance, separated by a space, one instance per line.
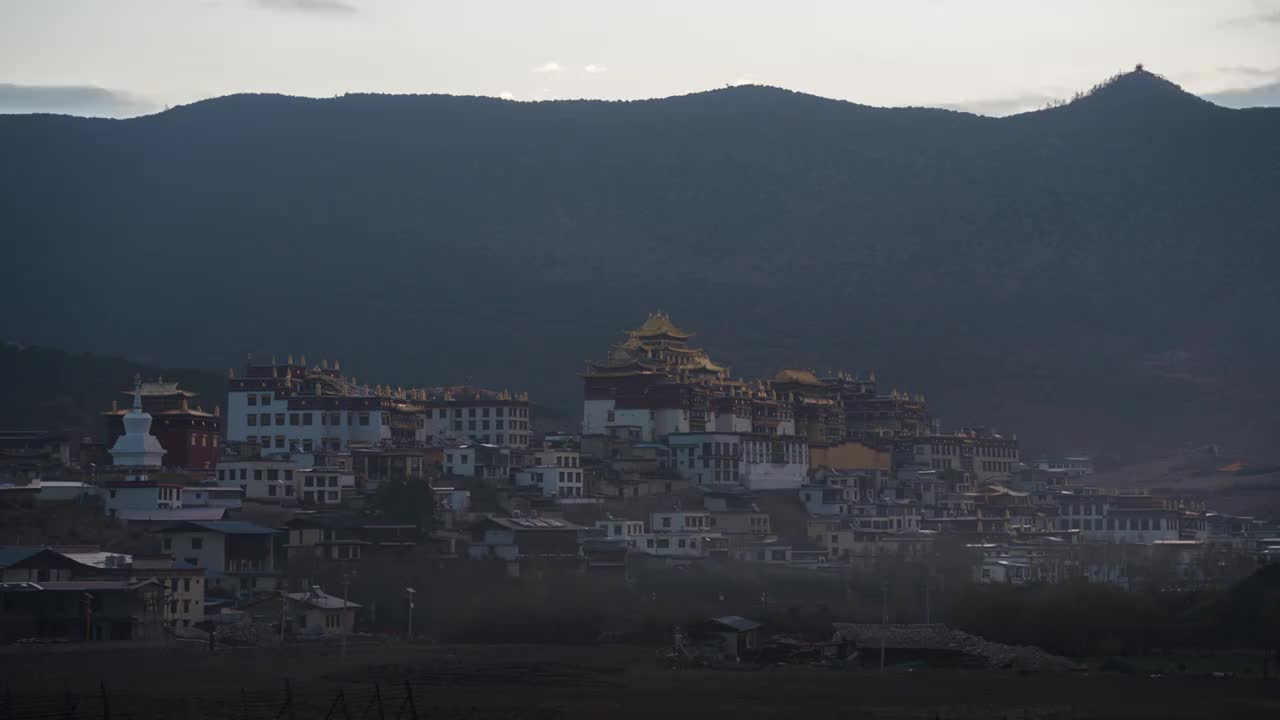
x=137 y=447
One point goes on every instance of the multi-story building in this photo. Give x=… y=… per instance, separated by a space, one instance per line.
x=985 y=456
x=288 y=407
x=757 y=462
x=488 y=462
x=654 y=384
x=491 y=418
x=263 y=478
x=236 y=556
x=564 y=481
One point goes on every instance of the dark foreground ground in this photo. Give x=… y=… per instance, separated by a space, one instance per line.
x=519 y=681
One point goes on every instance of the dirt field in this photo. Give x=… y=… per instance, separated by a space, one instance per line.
x=564 y=682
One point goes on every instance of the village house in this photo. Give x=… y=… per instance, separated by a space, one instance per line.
x=236 y=556
x=90 y=609
x=519 y=540
x=312 y=613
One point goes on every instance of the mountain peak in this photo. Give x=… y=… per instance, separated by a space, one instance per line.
x=1139 y=90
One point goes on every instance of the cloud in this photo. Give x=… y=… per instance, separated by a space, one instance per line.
x=1001 y=106
x=1261 y=96
x=308 y=6
x=548 y=67
x=507 y=95
x=1249 y=71
x=83 y=100
x=744 y=79
x=1265 y=18
x=595 y=69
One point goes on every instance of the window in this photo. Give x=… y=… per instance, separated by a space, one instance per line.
x=306 y=418
x=457 y=425
x=280 y=419
x=253 y=399
x=197 y=543
x=680 y=543
x=294 y=419
x=253 y=421
x=273 y=475
x=333 y=481
x=307 y=444
x=497 y=412
x=333 y=496
x=778 y=554
x=664 y=543
x=280 y=442
x=244 y=474
x=271 y=490
x=308 y=481
x=471 y=424
x=484 y=424
x=666 y=522
x=186 y=584
x=484 y=412
x=266 y=399
x=264 y=419
x=498 y=439
x=471 y=412
x=257 y=474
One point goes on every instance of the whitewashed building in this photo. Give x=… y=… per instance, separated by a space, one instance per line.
x=500 y=419
x=290 y=408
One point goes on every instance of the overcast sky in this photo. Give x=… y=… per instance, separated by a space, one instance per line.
x=128 y=57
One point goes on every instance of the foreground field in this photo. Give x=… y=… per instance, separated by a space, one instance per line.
x=376 y=680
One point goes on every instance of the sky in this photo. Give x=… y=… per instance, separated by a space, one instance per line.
x=122 y=58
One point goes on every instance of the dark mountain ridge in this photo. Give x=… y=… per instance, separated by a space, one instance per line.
x=1095 y=275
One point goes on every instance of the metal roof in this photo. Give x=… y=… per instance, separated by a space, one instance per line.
x=16 y=554
x=737 y=622
x=224 y=527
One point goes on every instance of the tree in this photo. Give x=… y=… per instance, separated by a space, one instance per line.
x=408 y=501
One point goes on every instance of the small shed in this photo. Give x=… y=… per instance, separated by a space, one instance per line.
x=736 y=636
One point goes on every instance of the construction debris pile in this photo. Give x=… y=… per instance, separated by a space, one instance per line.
x=867 y=637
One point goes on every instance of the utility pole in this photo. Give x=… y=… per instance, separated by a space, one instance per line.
x=411 y=592
x=884 y=620
x=928 y=617
x=346 y=588
x=284 y=605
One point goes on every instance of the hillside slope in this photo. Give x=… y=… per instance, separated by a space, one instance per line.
x=1096 y=275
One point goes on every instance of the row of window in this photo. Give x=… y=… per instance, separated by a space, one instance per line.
x=1111 y=523
x=1001 y=466
x=204 y=440
x=264 y=419
x=497 y=425
x=665 y=543
x=484 y=412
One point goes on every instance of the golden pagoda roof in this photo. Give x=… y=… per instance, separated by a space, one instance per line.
x=657 y=325
x=804 y=377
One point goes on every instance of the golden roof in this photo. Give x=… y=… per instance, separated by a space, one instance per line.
x=804 y=377
x=658 y=324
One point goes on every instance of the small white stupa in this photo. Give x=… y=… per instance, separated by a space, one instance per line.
x=137 y=447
